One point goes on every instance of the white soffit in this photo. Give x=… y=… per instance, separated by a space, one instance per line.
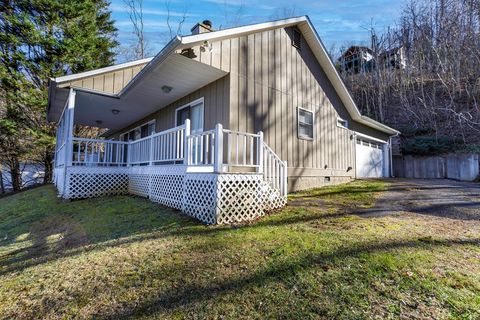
x=182 y=74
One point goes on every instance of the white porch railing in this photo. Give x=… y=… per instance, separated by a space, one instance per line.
x=274 y=170
x=165 y=147
x=219 y=150
x=201 y=148
x=243 y=149
x=93 y=152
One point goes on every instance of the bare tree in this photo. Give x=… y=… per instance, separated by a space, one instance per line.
x=171 y=29
x=436 y=91
x=135 y=14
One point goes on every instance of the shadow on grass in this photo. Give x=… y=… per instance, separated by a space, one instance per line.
x=36 y=227
x=190 y=294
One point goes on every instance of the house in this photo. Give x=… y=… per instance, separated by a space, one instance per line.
x=357 y=59
x=219 y=124
x=394 y=58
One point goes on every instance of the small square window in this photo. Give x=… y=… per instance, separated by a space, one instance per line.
x=342 y=123
x=297 y=39
x=305 y=124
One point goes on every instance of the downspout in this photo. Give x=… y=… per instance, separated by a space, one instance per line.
x=391 y=153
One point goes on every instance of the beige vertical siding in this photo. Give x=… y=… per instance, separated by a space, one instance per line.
x=269 y=79
x=109 y=82
x=216 y=108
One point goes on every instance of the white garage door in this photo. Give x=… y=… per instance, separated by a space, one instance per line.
x=369 y=159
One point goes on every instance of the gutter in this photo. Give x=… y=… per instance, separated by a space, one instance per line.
x=161 y=56
x=391 y=153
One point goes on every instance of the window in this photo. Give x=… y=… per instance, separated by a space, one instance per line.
x=297 y=39
x=305 y=124
x=193 y=111
x=342 y=123
x=139 y=132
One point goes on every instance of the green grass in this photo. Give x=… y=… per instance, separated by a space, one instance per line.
x=127 y=257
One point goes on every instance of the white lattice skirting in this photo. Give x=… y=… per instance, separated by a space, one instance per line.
x=209 y=197
x=88 y=182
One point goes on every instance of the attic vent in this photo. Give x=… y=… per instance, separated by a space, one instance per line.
x=297 y=39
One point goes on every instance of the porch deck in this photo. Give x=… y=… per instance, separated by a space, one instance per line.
x=217 y=176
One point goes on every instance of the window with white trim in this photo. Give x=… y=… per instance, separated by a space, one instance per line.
x=342 y=123
x=193 y=111
x=305 y=124
x=139 y=132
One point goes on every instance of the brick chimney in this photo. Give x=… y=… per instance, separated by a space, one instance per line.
x=202 y=27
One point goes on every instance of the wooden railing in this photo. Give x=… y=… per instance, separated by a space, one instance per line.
x=243 y=149
x=219 y=149
x=201 y=148
x=160 y=148
x=99 y=152
x=274 y=170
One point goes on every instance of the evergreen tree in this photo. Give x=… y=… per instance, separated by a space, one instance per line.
x=42 y=39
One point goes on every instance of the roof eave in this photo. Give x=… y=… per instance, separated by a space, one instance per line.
x=95 y=72
x=345 y=94
x=170 y=47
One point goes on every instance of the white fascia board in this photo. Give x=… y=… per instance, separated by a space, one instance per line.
x=86 y=74
x=378 y=125
x=331 y=72
x=366 y=136
x=239 y=31
x=169 y=48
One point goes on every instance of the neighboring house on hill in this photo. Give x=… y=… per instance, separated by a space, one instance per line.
x=357 y=59
x=211 y=123
x=394 y=58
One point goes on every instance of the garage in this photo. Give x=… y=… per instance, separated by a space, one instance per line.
x=371 y=160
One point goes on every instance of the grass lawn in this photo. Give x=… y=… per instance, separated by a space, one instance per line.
x=127 y=257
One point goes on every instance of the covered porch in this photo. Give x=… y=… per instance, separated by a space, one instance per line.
x=217 y=176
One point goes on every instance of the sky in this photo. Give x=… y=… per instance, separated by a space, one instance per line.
x=338 y=22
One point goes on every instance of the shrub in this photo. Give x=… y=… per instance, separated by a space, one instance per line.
x=432 y=145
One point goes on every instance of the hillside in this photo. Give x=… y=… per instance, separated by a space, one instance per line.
x=435 y=90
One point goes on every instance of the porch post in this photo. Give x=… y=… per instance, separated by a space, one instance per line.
x=129 y=155
x=186 y=149
x=151 y=150
x=68 y=136
x=218 y=159
x=284 y=180
x=69 y=128
x=260 y=152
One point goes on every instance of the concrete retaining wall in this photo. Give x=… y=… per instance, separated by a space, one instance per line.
x=463 y=167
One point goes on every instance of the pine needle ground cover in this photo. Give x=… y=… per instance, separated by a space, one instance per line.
x=120 y=257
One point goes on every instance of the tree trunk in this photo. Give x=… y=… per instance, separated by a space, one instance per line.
x=2 y=187
x=15 y=174
x=48 y=165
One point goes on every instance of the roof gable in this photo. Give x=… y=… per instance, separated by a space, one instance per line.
x=305 y=26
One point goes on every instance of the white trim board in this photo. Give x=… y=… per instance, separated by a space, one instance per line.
x=86 y=74
x=361 y=135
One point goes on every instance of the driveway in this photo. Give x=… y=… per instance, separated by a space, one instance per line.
x=435 y=197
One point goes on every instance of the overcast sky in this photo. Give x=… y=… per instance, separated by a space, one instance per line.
x=338 y=22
